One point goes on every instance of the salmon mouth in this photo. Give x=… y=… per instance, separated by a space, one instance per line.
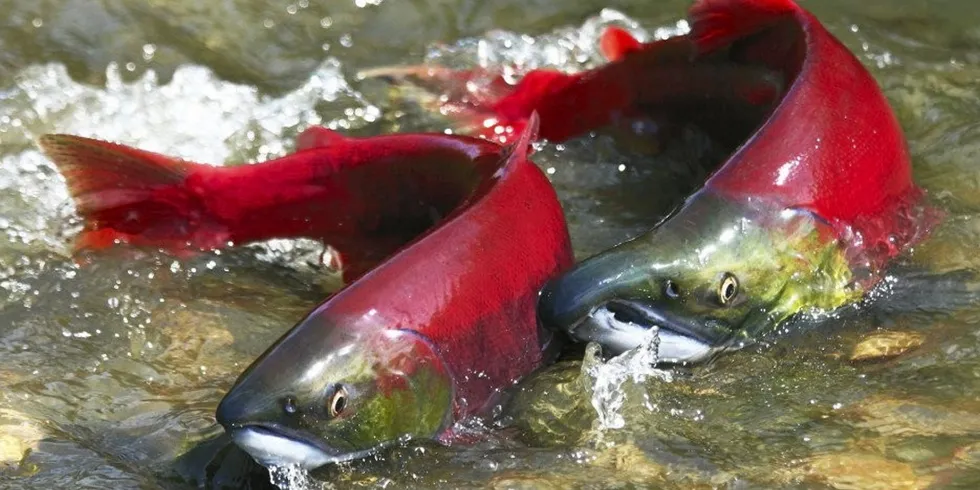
x=275 y=445
x=621 y=325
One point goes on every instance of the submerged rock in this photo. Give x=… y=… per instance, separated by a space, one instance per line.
x=18 y=437
x=895 y=417
x=858 y=471
x=620 y=465
x=553 y=406
x=630 y=461
x=885 y=345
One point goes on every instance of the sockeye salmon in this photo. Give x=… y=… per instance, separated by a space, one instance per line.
x=447 y=241
x=811 y=206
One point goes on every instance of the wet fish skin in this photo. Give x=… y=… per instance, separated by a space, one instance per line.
x=813 y=137
x=446 y=240
x=831 y=154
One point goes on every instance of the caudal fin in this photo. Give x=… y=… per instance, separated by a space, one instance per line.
x=718 y=23
x=616 y=42
x=126 y=195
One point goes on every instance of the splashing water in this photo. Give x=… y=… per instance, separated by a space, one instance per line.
x=292 y=477
x=635 y=366
x=197 y=108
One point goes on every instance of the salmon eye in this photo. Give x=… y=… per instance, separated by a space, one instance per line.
x=728 y=289
x=338 y=401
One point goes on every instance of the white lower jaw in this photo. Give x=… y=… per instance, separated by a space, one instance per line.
x=678 y=348
x=272 y=450
x=618 y=336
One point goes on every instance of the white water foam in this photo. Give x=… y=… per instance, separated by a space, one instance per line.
x=196 y=115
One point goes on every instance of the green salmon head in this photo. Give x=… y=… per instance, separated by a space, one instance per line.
x=326 y=393
x=710 y=278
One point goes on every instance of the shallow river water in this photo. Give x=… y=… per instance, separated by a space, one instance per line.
x=110 y=373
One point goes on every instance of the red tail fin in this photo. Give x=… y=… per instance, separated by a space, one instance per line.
x=717 y=23
x=616 y=42
x=131 y=196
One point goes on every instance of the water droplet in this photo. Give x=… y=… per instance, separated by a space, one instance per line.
x=148 y=51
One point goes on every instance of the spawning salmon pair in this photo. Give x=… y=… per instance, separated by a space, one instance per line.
x=447 y=241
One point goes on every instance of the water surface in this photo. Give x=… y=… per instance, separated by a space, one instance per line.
x=111 y=372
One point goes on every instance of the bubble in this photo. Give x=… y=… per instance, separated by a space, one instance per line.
x=148 y=51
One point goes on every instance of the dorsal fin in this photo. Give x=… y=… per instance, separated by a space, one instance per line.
x=718 y=23
x=318 y=137
x=616 y=42
x=522 y=147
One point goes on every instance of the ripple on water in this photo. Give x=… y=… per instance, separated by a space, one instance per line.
x=113 y=370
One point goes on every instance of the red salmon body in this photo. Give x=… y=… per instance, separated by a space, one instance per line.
x=809 y=125
x=450 y=237
x=814 y=200
x=470 y=286
x=833 y=144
